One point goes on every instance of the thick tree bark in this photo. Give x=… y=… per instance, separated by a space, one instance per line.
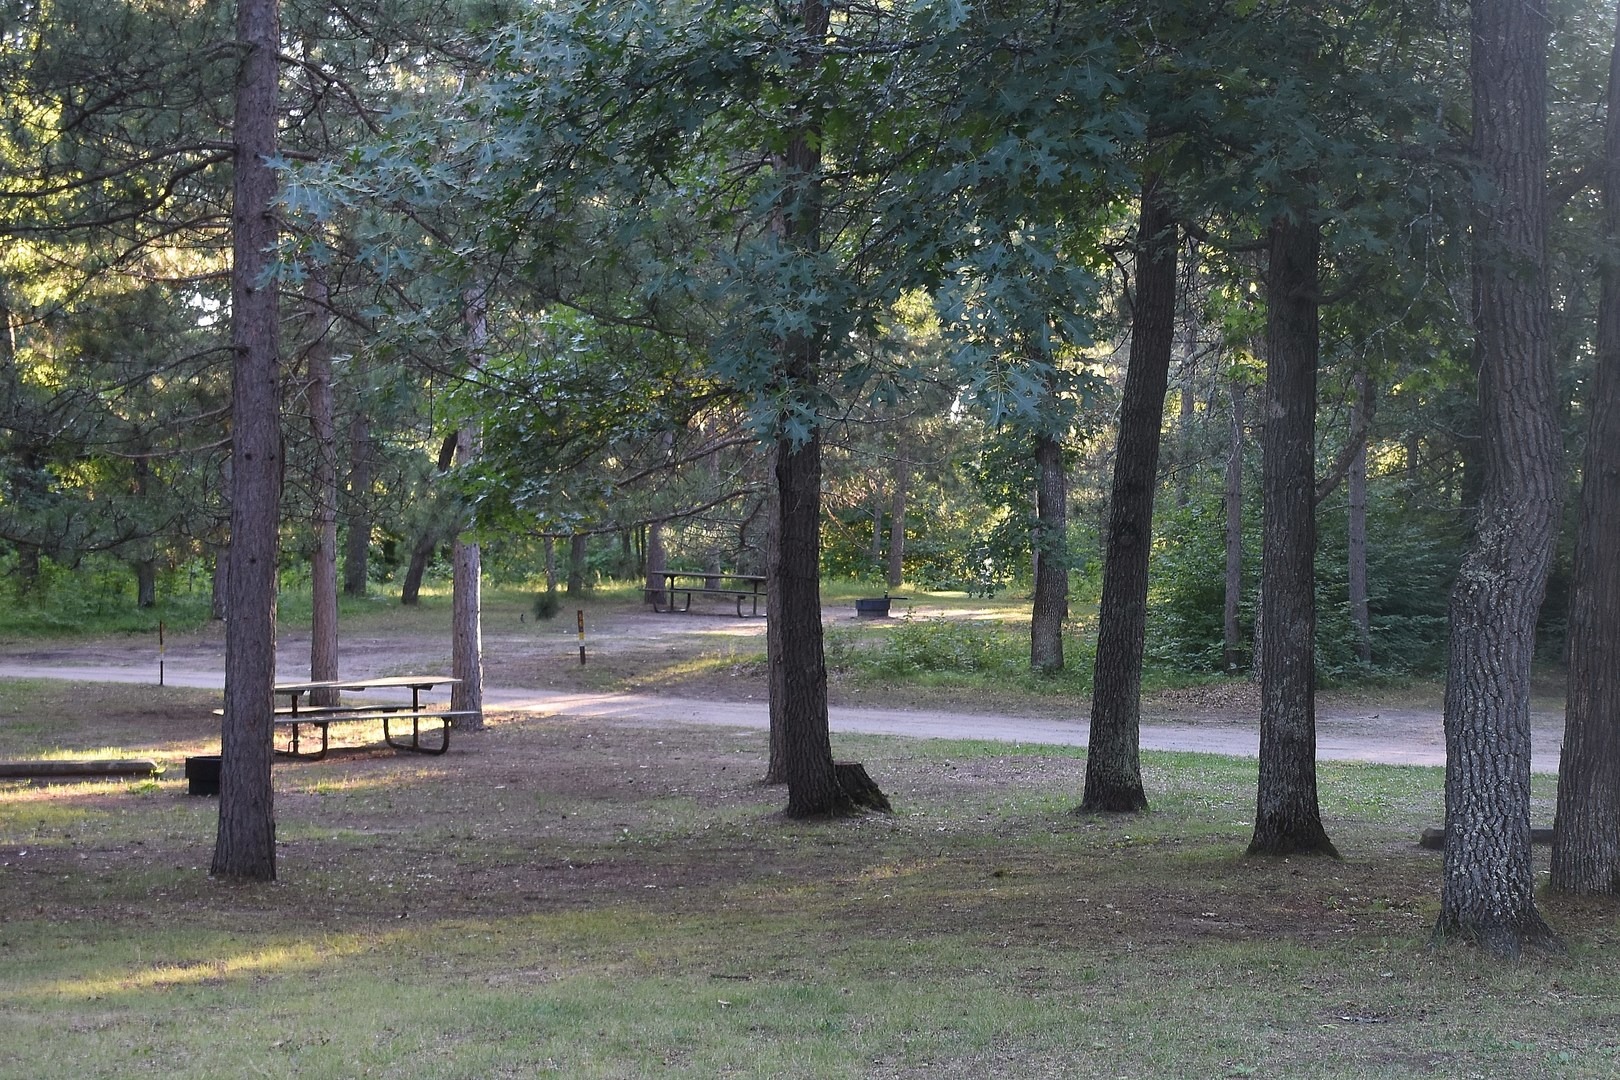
x=323 y=635
x=1051 y=543
x=144 y=565
x=245 y=846
x=897 y=518
x=467 y=634
x=1356 y=530
x=1487 y=886
x=656 y=564
x=776 y=771
x=410 y=589
x=357 y=513
x=576 y=566
x=874 y=554
x=1187 y=412
x=627 y=556
x=1113 y=757
x=145 y=583
x=219 y=584
x=1586 y=836
x=467 y=580
x=1231 y=628
x=1288 y=818
x=817 y=786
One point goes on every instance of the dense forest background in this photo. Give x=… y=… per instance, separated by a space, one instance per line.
x=978 y=251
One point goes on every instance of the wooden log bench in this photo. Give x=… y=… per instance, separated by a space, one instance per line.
x=68 y=770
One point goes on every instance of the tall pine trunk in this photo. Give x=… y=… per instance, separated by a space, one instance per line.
x=467 y=580
x=1356 y=529
x=575 y=588
x=323 y=635
x=656 y=564
x=816 y=784
x=1050 y=541
x=1487 y=886
x=1232 y=658
x=357 y=507
x=245 y=846
x=1288 y=818
x=1586 y=837
x=1113 y=757
x=897 y=518
x=776 y=770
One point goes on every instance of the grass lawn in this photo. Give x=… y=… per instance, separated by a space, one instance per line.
x=587 y=900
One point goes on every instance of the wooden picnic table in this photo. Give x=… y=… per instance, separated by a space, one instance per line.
x=749 y=587
x=293 y=718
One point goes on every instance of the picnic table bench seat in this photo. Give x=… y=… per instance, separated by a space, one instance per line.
x=739 y=595
x=323 y=719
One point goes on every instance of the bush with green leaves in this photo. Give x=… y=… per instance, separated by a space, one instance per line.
x=1412 y=559
x=956 y=651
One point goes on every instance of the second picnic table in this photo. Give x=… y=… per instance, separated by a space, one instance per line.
x=749 y=587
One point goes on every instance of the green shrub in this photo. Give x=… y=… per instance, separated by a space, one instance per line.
x=1412 y=559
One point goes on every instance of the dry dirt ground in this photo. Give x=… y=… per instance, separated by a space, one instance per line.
x=706 y=667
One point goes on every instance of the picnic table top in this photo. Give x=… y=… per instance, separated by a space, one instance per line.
x=415 y=682
x=726 y=575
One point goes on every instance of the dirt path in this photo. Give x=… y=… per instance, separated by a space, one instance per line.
x=534 y=669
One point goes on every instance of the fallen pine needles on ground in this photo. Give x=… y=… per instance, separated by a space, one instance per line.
x=594 y=900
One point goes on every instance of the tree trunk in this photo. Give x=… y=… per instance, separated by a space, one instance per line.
x=576 y=566
x=323 y=635
x=145 y=583
x=1189 y=307
x=26 y=576
x=1288 y=819
x=802 y=668
x=1231 y=629
x=776 y=772
x=357 y=514
x=245 y=846
x=1113 y=757
x=1586 y=835
x=874 y=554
x=1050 y=541
x=219 y=584
x=143 y=564
x=1487 y=886
x=813 y=779
x=627 y=556
x=410 y=590
x=897 y=518
x=1356 y=539
x=467 y=582
x=656 y=564
x=467 y=634
x=817 y=786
